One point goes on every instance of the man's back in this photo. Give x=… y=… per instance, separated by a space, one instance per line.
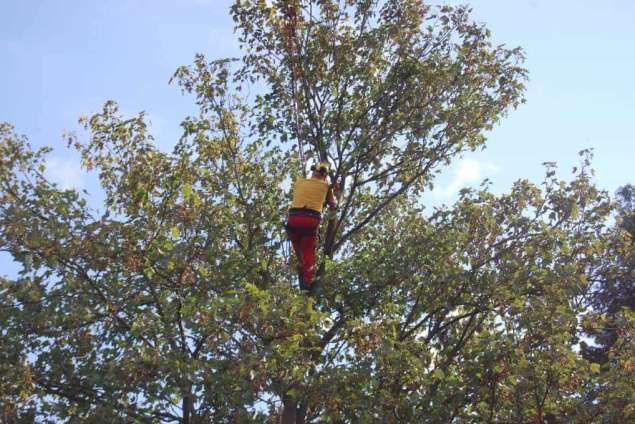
x=309 y=193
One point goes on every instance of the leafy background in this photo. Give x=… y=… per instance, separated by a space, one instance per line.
x=175 y=298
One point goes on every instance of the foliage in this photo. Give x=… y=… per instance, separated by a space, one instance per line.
x=176 y=301
x=609 y=324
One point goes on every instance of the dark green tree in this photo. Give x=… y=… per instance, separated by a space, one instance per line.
x=616 y=289
x=626 y=199
x=176 y=302
x=609 y=323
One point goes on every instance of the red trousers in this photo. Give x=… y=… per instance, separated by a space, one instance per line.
x=302 y=231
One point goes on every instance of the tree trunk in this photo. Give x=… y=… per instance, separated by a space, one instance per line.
x=300 y=416
x=187 y=408
x=328 y=252
x=289 y=411
x=292 y=412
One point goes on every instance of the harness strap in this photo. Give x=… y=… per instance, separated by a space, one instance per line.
x=305 y=211
x=303 y=231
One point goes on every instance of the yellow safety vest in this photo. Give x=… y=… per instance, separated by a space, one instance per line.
x=309 y=194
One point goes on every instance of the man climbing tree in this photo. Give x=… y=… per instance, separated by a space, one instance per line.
x=171 y=303
x=309 y=197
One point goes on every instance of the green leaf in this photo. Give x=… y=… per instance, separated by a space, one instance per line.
x=438 y=374
x=187 y=191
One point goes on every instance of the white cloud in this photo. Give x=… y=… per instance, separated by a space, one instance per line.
x=66 y=172
x=466 y=172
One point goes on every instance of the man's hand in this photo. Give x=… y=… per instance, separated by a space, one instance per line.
x=335 y=188
x=333 y=195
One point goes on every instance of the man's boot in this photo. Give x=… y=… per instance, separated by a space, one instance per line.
x=303 y=285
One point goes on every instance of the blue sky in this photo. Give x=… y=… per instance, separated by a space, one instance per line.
x=61 y=59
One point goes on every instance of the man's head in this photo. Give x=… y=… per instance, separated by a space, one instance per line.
x=320 y=170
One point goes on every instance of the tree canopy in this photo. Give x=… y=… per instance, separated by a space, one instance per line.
x=176 y=300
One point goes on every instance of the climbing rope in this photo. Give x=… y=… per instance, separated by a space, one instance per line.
x=290 y=26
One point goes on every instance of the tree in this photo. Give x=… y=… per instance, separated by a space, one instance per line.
x=610 y=323
x=615 y=288
x=389 y=92
x=626 y=198
x=175 y=302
